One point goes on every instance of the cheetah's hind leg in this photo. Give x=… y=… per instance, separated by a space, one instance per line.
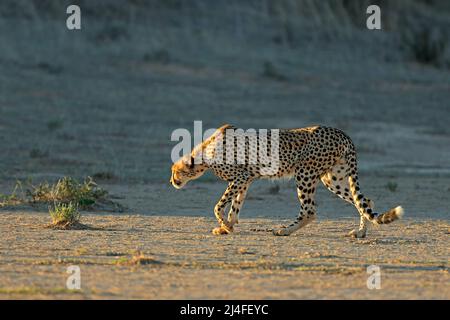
x=336 y=180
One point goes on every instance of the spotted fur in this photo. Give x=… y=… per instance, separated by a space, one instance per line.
x=308 y=155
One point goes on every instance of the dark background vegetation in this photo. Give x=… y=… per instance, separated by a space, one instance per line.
x=103 y=101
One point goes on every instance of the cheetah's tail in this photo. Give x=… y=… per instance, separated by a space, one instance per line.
x=389 y=216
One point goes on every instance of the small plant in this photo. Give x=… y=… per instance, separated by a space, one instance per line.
x=50 y=68
x=243 y=250
x=68 y=190
x=38 y=153
x=159 y=56
x=81 y=251
x=11 y=199
x=275 y=189
x=64 y=215
x=138 y=258
x=112 y=33
x=427 y=46
x=104 y=175
x=270 y=71
x=85 y=195
x=54 y=125
x=391 y=186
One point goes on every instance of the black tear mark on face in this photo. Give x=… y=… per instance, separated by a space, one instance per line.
x=191 y=163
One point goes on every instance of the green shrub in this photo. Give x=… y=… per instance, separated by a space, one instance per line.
x=270 y=71
x=425 y=45
x=13 y=198
x=68 y=190
x=391 y=186
x=64 y=215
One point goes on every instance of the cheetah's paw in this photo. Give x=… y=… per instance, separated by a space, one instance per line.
x=357 y=234
x=221 y=230
x=283 y=231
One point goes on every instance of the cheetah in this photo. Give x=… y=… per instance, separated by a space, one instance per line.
x=308 y=155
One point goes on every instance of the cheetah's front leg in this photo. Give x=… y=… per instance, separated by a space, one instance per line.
x=219 y=209
x=235 y=194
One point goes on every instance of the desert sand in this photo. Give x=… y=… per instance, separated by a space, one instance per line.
x=181 y=259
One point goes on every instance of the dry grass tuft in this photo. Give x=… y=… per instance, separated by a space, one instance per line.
x=65 y=217
x=426 y=44
x=271 y=71
x=68 y=190
x=243 y=250
x=138 y=258
x=12 y=199
x=391 y=186
x=86 y=195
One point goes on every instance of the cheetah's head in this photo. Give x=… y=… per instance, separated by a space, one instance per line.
x=185 y=170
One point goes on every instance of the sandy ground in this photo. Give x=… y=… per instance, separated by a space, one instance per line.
x=185 y=261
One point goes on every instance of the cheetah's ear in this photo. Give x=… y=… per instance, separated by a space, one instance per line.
x=191 y=163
